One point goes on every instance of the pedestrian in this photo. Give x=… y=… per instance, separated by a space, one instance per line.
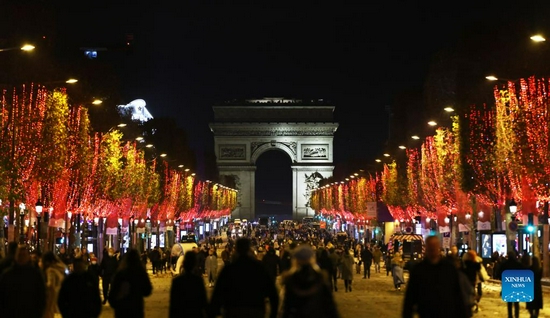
x=155 y=256
x=433 y=290
x=108 y=267
x=472 y=268
x=130 y=284
x=397 y=270
x=511 y=262
x=346 y=275
x=536 y=305
x=366 y=258
x=243 y=286
x=376 y=258
x=335 y=260
x=271 y=263
x=188 y=287
x=54 y=272
x=454 y=258
x=79 y=294
x=211 y=267
x=226 y=254
x=387 y=262
x=306 y=288
x=22 y=288
x=94 y=267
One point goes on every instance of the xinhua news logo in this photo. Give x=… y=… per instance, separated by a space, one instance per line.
x=518 y=285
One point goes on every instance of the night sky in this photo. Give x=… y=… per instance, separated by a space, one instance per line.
x=362 y=57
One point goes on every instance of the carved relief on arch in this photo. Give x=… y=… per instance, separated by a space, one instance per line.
x=258 y=148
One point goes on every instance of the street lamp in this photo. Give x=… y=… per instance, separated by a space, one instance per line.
x=26 y=48
x=513 y=206
x=148 y=232
x=67 y=224
x=21 y=222
x=38 y=208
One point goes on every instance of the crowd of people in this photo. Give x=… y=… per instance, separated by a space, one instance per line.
x=68 y=284
x=298 y=272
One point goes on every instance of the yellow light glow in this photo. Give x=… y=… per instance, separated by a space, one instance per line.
x=386 y=155
x=121 y=125
x=71 y=81
x=97 y=102
x=402 y=147
x=378 y=160
x=538 y=38
x=139 y=138
x=449 y=109
x=415 y=137
x=149 y=146
x=492 y=78
x=163 y=155
x=432 y=123
x=27 y=47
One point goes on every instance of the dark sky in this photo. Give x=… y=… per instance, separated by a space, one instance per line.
x=187 y=58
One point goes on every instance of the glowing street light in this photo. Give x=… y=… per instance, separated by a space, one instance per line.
x=432 y=123
x=26 y=48
x=449 y=109
x=538 y=38
x=492 y=78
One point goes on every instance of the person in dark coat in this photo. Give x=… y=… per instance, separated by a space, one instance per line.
x=79 y=294
x=271 y=263
x=242 y=287
x=22 y=288
x=108 y=267
x=189 y=288
x=307 y=292
x=434 y=288
x=536 y=305
x=325 y=264
x=511 y=262
x=366 y=258
x=130 y=285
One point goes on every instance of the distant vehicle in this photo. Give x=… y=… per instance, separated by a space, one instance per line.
x=263 y=222
x=308 y=220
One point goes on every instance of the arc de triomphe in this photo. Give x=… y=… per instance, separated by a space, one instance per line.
x=303 y=129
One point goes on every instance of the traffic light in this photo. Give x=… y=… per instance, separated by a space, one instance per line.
x=530 y=224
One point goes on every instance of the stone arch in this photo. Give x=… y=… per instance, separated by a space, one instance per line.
x=244 y=130
x=284 y=147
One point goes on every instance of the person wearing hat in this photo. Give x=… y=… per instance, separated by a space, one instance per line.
x=306 y=288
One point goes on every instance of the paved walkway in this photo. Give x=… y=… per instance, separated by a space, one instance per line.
x=374 y=297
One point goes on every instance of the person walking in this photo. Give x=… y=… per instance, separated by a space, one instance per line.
x=271 y=263
x=376 y=258
x=366 y=258
x=397 y=270
x=226 y=254
x=242 y=287
x=79 y=294
x=434 y=290
x=155 y=256
x=511 y=262
x=130 y=284
x=211 y=267
x=108 y=267
x=54 y=272
x=22 y=288
x=536 y=305
x=188 y=287
x=472 y=269
x=347 y=262
x=335 y=263
x=306 y=288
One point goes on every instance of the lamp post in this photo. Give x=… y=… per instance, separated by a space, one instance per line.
x=177 y=231
x=67 y=225
x=134 y=234
x=158 y=233
x=38 y=208
x=21 y=222
x=148 y=232
x=511 y=225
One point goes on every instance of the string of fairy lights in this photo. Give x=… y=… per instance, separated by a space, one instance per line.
x=489 y=155
x=48 y=153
